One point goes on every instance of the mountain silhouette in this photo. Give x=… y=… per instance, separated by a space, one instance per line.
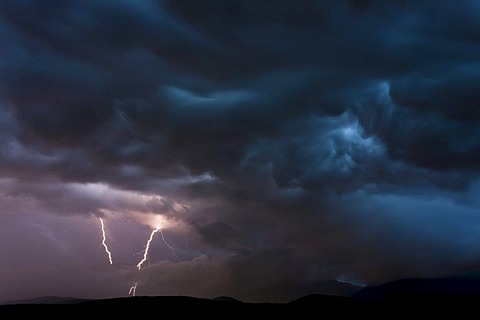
x=404 y=297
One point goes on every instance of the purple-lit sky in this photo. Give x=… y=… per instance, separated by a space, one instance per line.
x=279 y=145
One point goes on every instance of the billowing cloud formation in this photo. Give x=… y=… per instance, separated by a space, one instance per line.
x=286 y=143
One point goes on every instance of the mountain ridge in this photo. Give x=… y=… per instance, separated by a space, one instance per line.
x=432 y=296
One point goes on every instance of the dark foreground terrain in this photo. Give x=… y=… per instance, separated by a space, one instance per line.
x=159 y=307
x=410 y=297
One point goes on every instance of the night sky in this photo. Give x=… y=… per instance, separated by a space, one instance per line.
x=278 y=145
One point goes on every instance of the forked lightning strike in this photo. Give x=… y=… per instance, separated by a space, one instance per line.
x=133 y=289
x=103 y=241
x=169 y=246
x=147 y=247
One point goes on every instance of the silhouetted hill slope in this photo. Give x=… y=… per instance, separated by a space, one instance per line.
x=414 y=289
x=177 y=306
x=337 y=288
x=408 y=297
x=316 y=299
x=227 y=299
x=442 y=296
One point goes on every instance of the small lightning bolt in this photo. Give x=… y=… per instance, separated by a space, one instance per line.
x=103 y=241
x=133 y=289
x=147 y=247
x=169 y=246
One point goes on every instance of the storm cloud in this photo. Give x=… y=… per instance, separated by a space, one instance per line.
x=286 y=144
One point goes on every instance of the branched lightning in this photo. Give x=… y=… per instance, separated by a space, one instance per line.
x=133 y=289
x=147 y=247
x=103 y=241
x=169 y=246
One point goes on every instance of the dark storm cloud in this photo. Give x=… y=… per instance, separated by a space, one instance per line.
x=279 y=124
x=65 y=97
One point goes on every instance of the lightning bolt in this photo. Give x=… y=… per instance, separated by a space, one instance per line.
x=103 y=241
x=169 y=246
x=147 y=247
x=133 y=289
